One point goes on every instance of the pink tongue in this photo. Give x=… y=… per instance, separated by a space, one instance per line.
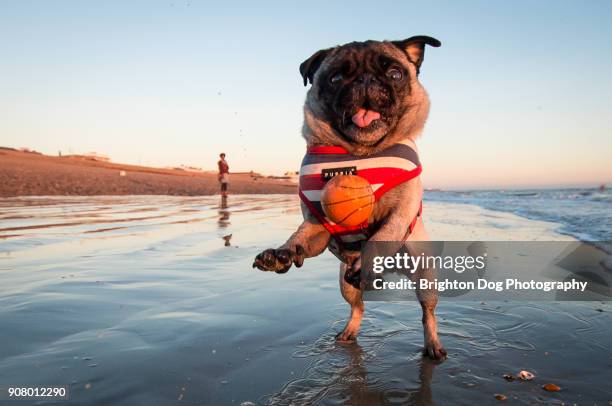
x=364 y=118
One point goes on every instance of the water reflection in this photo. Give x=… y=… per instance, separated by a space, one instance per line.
x=224 y=213
x=224 y=220
x=339 y=375
x=357 y=391
x=227 y=239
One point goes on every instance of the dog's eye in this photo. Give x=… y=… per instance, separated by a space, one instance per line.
x=394 y=74
x=335 y=78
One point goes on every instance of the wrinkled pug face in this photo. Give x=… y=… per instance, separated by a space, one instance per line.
x=363 y=89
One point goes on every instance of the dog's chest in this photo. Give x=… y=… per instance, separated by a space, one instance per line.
x=384 y=171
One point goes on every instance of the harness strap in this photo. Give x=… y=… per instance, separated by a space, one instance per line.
x=385 y=171
x=414 y=220
x=397 y=180
x=336 y=232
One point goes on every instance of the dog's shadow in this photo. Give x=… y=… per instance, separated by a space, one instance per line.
x=339 y=375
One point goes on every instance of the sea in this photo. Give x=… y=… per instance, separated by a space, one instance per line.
x=585 y=214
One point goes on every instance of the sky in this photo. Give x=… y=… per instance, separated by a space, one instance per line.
x=520 y=90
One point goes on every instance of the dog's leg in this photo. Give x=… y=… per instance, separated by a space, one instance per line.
x=353 y=296
x=406 y=202
x=428 y=298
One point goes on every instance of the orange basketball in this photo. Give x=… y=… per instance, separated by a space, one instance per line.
x=347 y=200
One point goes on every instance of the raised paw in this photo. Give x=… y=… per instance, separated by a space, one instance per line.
x=279 y=260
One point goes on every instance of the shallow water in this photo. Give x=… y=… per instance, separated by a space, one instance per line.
x=138 y=300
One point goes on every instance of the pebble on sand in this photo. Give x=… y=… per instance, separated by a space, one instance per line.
x=551 y=387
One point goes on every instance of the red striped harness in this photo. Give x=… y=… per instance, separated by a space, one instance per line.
x=384 y=170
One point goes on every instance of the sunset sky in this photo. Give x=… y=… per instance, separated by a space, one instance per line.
x=520 y=91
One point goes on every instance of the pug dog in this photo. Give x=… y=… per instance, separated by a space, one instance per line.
x=365 y=99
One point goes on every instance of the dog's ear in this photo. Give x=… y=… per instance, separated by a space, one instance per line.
x=415 y=48
x=310 y=65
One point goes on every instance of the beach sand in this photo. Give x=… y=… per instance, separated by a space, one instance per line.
x=138 y=300
x=33 y=174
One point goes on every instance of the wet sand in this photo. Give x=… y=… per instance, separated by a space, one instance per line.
x=31 y=174
x=138 y=300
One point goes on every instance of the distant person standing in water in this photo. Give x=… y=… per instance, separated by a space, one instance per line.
x=223 y=174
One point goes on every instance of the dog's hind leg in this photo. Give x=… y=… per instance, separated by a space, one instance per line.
x=353 y=296
x=428 y=298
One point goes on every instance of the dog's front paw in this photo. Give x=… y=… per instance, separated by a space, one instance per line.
x=347 y=336
x=435 y=351
x=279 y=260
